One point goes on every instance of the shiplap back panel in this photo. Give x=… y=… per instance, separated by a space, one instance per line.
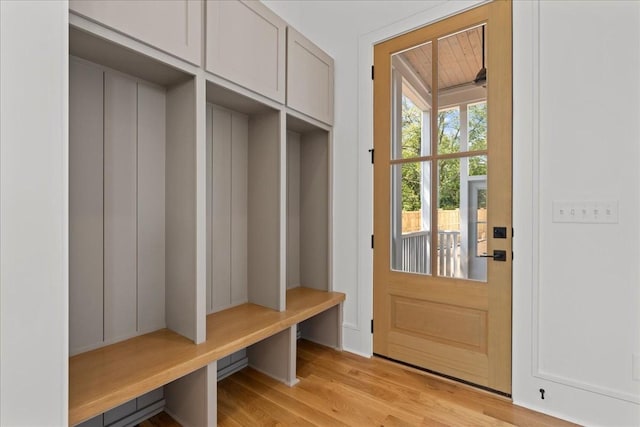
x=85 y=205
x=314 y=210
x=116 y=206
x=239 y=207
x=221 y=213
x=151 y=212
x=293 y=210
x=120 y=207
x=264 y=211
x=209 y=201
x=227 y=137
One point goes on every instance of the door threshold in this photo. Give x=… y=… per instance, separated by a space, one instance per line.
x=448 y=378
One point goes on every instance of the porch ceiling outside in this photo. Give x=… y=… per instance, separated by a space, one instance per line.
x=459 y=56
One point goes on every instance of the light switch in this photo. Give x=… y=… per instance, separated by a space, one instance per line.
x=585 y=212
x=609 y=211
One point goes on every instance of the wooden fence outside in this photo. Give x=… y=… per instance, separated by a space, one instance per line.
x=447 y=220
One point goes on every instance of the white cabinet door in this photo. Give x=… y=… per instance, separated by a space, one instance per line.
x=174 y=26
x=309 y=78
x=246 y=45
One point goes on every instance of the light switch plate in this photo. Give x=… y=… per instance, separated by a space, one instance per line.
x=585 y=212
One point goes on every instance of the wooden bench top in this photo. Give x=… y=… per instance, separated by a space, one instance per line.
x=104 y=378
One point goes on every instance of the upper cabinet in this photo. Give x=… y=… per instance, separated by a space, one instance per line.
x=309 y=78
x=246 y=45
x=174 y=26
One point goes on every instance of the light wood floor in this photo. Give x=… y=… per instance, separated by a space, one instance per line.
x=342 y=389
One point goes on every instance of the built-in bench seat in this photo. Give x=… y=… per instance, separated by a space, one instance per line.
x=102 y=379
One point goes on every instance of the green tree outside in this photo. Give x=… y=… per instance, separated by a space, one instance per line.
x=448 y=142
x=411 y=143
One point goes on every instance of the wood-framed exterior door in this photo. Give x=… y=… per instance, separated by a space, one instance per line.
x=433 y=307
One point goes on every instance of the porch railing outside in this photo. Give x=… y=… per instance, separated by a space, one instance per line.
x=415 y=252
x=416 y=249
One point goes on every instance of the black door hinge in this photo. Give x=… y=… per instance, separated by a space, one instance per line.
x=372 y=151
x=372 y=241
x=372 y=72
x=371 y=325
x=513 y=233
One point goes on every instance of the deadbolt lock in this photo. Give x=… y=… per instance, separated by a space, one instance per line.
x=499 y=232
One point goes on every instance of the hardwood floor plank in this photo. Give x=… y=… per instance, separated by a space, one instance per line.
x=260 y=410
x=359 y=402
x=309 y=413
x=393 y=421
x=229 y=412
x=403 y=402
x=391 y=374
x=410 y=400
x=344 y=408
x=300 y=397
x=342 y=389
x=225 y=420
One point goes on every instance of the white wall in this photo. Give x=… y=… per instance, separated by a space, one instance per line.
x=576 y=134
x=33 y=214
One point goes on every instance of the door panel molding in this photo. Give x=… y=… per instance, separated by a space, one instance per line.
x=453 y=325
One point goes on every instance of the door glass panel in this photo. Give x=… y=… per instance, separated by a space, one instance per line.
x=449 y=130
x=411 y=217
x=480 y=213
x=478 y=230
x=411 y=102
x=459 y=68
x=460 y=130
x=449 y=230
x=477 y=125
x=462 y=218
x=478 y=166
